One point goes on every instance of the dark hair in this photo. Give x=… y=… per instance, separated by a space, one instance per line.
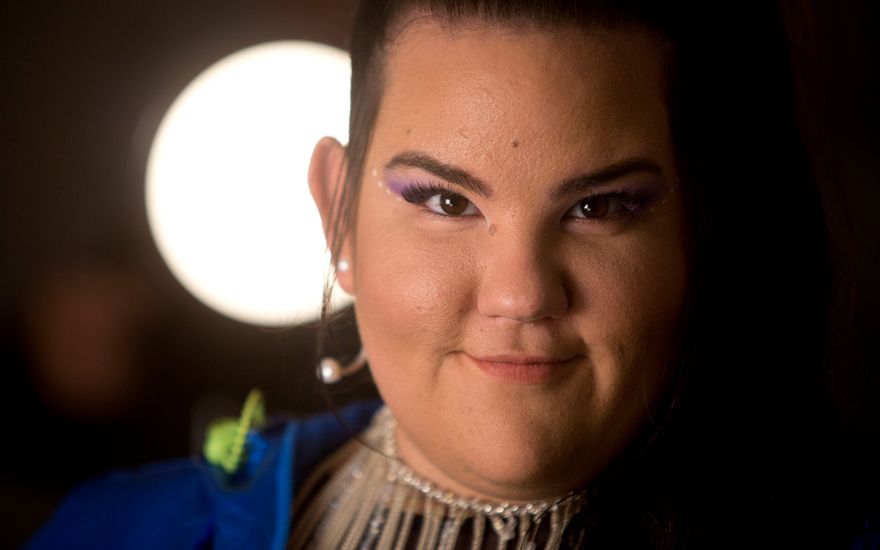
x=739 y=454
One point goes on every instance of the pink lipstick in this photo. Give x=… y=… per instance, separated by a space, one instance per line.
x=520 y=369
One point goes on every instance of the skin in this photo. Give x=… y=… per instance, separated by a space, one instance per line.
x=444 y=301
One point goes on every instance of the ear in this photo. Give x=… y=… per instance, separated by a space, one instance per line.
x=326 y=180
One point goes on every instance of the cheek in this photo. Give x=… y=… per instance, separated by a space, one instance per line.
x=638 y=288
x=411 y=293
x=634 y=292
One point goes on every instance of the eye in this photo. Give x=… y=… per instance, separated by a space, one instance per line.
x=593 y=207
x=450 y=204
x=608 y=206
x=439 y=200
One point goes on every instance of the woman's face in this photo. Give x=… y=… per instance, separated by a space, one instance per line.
x=518 y=258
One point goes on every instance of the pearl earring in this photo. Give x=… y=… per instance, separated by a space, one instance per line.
x=330 y=371
x=342 y=266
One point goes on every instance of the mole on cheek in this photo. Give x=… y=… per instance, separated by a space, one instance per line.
x=514 y=143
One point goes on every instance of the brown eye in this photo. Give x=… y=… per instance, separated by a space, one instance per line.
x=441 y=202
x=453 y=205
x=595 y=207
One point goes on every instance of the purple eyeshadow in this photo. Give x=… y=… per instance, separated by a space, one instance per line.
x=397 y=185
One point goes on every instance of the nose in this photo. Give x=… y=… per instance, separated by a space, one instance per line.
x=522 y=280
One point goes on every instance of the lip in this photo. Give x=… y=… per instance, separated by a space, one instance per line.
x=521 y=369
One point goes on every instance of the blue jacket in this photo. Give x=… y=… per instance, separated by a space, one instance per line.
x=189 y=504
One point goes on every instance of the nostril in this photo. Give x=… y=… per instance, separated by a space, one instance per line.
x=523 y=298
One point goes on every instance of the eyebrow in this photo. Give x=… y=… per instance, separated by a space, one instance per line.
x=617 y=170
x=447 y=172
x=571 y=186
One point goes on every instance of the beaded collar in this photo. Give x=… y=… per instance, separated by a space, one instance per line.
x=361 y=499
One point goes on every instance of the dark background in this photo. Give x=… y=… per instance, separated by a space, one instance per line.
x=107 y=361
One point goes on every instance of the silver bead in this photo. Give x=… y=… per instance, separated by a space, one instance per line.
x=331 y=370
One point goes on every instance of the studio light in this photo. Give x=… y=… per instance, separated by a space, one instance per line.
x=226 y=187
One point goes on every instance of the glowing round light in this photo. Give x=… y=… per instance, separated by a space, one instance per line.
x=227 y=190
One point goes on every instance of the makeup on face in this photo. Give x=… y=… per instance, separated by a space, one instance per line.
x=399 y=185
x=579 y=294
x=592 y=200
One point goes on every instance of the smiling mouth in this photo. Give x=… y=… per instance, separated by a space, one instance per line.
x=521 y=369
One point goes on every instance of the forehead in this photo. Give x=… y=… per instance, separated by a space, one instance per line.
x=473 y=88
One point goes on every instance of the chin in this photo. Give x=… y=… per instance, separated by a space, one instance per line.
x=519 y=462
x=514 y=478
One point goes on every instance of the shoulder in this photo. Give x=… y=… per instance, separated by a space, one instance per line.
x=188 y=503
x=132 y=509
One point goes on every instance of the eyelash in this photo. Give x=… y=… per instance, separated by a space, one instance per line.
x=630 y=203
x=419 y=193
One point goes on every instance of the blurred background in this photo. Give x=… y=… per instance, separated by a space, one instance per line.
x=108 y=361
